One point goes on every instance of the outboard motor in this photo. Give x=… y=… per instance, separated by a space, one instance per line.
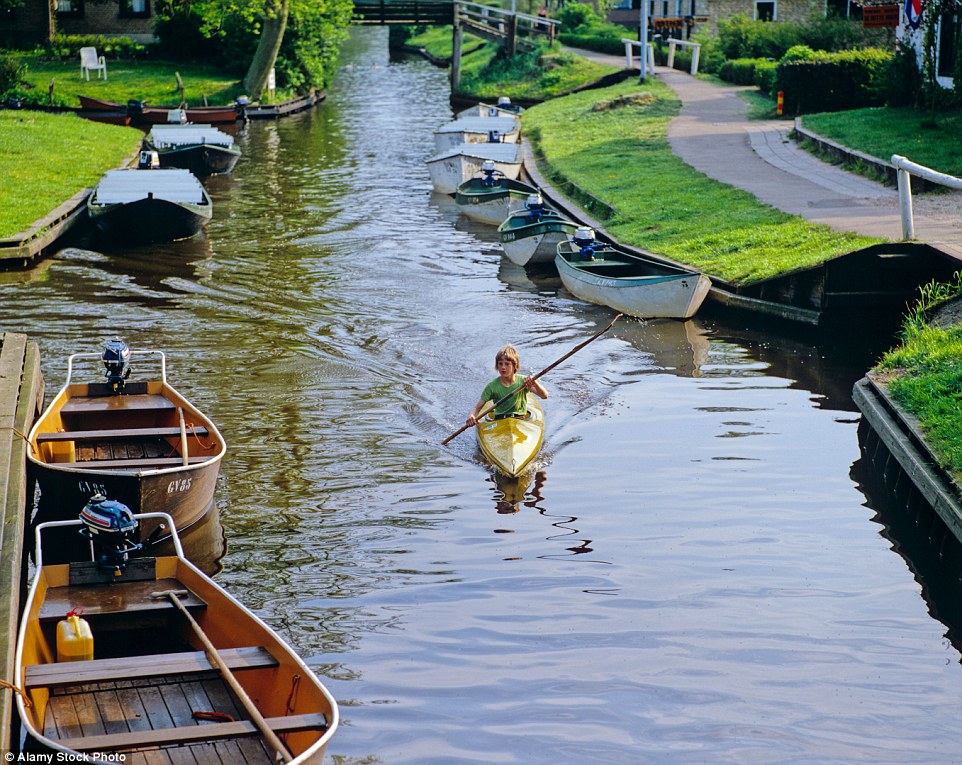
x=177 y=117
x=242 y=102
x=149 y=160
x=116 y=361
x=488 y=168
x=535 y=207
x=505 y=103
x=494 y=136
x=135 y=108
x=584 y=240
x=112 y=531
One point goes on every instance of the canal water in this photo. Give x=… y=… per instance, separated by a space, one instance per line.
x=696 y=572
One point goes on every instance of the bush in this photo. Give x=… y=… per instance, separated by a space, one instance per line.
x=765 y=72
x=605 y=44
x=740 y=71
x=902 y=79
x=68 y=46
x=577 y=17
x=833 y=82
x=12 y=73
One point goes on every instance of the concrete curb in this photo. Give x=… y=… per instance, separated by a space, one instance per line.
x=899 y=433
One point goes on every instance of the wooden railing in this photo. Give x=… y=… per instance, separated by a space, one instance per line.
x=403 y=11
x=906 y=170
x=500 y=25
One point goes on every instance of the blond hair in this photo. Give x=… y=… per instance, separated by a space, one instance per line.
x=508 y=353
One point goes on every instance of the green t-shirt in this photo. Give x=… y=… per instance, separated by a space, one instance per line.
x=495 y=391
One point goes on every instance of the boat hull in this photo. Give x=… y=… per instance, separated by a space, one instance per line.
x=142 y=642
x=492 y=204
x=450 y=169
x=534 y=243
x=205 y=159
x=150 y=220
x=153 y=115
x=511 y=444
x=652 y=291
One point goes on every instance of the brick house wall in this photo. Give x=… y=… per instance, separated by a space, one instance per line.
x=707 y=12
x=30 y=22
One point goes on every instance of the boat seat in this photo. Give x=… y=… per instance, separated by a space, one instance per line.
x=193 y=733
x=107 y=403
x=116 y=434
x=139 y=667
x=134 y=464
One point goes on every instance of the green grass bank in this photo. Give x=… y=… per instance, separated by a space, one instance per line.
x=47 y=158
x=613 y=144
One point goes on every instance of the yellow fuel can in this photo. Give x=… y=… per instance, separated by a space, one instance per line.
x=75 y=641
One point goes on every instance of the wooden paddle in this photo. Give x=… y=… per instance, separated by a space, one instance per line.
x=547 y=369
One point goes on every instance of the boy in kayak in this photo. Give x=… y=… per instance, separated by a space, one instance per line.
x=507 y=363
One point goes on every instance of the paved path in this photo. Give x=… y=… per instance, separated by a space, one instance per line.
x=713 y=134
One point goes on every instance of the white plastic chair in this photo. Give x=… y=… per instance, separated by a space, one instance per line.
x=89 y=60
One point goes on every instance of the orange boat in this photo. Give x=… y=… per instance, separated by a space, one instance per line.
x=140 y=113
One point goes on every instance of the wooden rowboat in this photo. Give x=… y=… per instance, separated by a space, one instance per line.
x=477 y=130
x=201 y=149
x=631 y=284
x=511 y=443
x=141 y=114
x=149 y=205
x=138 y=442
x=181 y=671
x=449 y=169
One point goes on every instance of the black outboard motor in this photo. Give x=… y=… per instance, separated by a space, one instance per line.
x=504 y=103
x=135 y=108
x=494 y=136
x=584 y=240
x=148 y=160
x=112 y=531
x=242 y=102
x=116 y=361
x=534 y=204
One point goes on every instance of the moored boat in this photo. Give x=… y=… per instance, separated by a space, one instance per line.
x=503 y=108
x=449 y=169
x=491 y=197
x=142 y=114
x=531 y=236
x=202 y=149
x=512 y=443
x=162 y=660
x=632 y=284
x=477 y=130
x=149 y=205
x=138 y=442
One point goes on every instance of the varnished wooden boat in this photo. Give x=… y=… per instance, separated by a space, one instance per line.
x=511 y=443
x=142 y=114
x=144 y=445
x=198 y=680
x=490 y=198
x=149 y=205
x=638 y=286
x=201 y=149
x=531 y=236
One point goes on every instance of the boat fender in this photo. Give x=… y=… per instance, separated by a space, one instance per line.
x=75 y=641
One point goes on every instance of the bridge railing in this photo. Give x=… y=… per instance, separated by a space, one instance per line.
x=500 y=24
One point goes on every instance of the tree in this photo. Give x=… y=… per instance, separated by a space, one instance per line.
x=269 y=43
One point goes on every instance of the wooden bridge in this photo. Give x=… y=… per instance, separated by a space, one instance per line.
x=403 y=12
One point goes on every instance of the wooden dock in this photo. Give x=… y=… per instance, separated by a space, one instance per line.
x=21 y=250
x=21 y=397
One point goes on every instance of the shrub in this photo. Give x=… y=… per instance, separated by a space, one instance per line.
x=901 y=81
x=612 y=45
x=577 y=17
x=833 y=82
x=740 y=71
x=12 y=73
x=68 y=46
x=765 y=72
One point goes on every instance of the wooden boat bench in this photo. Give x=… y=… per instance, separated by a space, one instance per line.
x=140 y=667
x=117 y=434
x=136 y=463
x=193 y=734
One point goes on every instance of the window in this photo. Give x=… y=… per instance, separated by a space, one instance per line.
x=765 y=10
x=70 y=9
x=130 y=9
x=949 y=27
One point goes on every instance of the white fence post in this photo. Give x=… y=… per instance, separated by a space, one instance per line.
x=904 y=168
x=905 y=204
x=671 y=53
x=628 y=59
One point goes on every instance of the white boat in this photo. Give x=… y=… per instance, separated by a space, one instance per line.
x=477 y=130
x=491 y=197
x=532 y=235
x=632 y=284
x=449 y=169
x=504 y=108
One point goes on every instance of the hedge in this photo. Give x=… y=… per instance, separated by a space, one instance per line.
x=601 y=44
x=833 y=82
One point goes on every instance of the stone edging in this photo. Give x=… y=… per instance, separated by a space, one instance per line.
x=900 y=434
x=845 y=154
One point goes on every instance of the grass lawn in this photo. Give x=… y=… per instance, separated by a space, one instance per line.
x=47 y=158
x=613 y=143
x=151 y=81
x=534 y=76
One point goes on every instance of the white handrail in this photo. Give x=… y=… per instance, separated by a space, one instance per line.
x=98 y=356
x=629 y=58
x=905 y=170
x=696 y=50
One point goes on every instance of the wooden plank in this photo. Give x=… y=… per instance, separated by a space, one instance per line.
x=132 y=464
x=126 y=403
x=117 y=434
x=88 y=572
x=141 y=667
x=203 y=732
x=100 y=600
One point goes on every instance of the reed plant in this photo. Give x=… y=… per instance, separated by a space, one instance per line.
x=38 y=162
x=612 y=145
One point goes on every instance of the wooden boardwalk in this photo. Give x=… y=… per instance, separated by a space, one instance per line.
x=21 y=396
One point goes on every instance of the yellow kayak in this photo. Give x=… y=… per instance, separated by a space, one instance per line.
x=511 y=444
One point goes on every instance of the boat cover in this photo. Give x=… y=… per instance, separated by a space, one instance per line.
x=503 y=125
x=173 y=185
x=498 y=152
x=167 y=136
